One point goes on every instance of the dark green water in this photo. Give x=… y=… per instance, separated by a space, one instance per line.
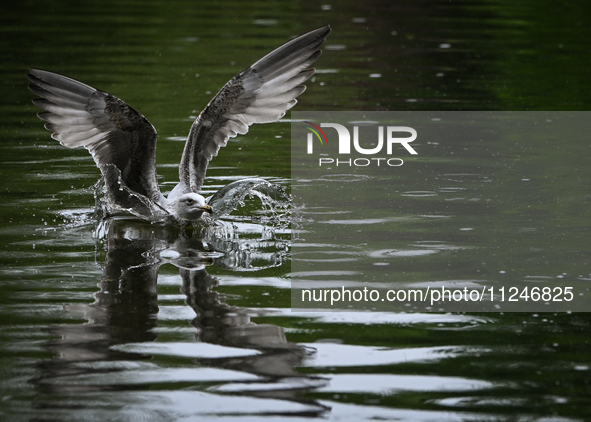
x=97 y=322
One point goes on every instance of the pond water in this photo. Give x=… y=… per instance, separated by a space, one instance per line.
x=124 y=320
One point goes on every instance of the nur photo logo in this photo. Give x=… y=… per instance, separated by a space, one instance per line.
x=384 y=140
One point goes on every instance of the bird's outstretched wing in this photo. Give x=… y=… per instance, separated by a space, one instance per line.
x=114 y=133
x=262 y=93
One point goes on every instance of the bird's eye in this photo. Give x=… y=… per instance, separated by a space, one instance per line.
x=190 y=201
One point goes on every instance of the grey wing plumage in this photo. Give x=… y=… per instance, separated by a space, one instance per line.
x=121 y=140
x=262 y=93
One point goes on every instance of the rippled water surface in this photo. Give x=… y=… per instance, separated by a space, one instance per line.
x=122 y=320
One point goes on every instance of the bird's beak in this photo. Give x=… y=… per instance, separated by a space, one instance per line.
x=207 y=209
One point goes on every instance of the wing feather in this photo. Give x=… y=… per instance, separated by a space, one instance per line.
x=114 y=133
x=262 y=93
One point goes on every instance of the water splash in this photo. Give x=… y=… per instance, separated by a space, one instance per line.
x=134 y=204
x=255 y=238
x=275 y=201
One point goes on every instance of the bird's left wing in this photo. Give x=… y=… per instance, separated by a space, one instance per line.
x=262 y=93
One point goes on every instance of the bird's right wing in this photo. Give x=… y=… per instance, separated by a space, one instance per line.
x=121 y=140
x=261 y=93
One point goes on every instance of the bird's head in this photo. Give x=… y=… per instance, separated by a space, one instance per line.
x=191 y=206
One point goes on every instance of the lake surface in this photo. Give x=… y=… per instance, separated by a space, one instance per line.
x=123 y=320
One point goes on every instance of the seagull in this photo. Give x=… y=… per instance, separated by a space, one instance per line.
x=123 y=142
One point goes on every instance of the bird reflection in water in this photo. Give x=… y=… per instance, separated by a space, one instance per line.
x=125 y=311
